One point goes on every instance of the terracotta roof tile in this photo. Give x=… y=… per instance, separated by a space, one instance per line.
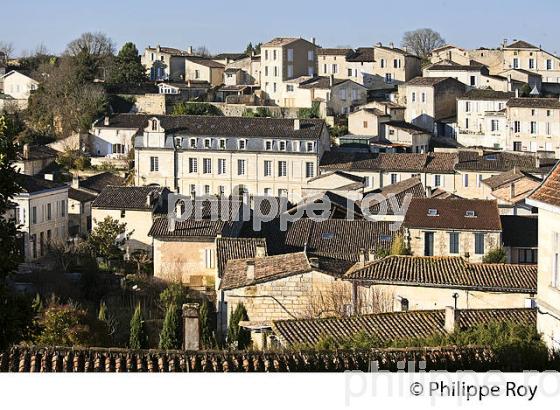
x=549 y=191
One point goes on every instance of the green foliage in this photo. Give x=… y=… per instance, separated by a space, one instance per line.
x=381 y=253
x=496 y=255
x=170 y=336
x=138 y=337
x=338 y=130
x=127 y=68
x=312 y=112
x=175 y=294
x=259 y=112
x=237 y=336
x=103 y=239
x=398 y=247
x=73 y=159
x=195 y=108
x=250 y=49
x=207 y=318
x=525 y=91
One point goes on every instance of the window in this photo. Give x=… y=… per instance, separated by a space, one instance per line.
x=349 y=72
x=242 y=144
x=282 y=168
x=479 y=243
x=479 y=180
x=533 y=127
x=393 y=178
x=206 y=189
x=310 y=146
x=118 y=149
x=437 y=180
x=555 y=261
x=266 y=70
x=221 y=190
x=388 y=78
x=310 y=55
x=295 y=146
x=289 y=87
x=208 y=259
x=49 y=212
x=192 y=142
x=193 y=165
x=466 y=123
x=266 y=55
x=515 y=63
x=196 y=74
x=206 y=165
x=222 y=143
x=207 y=143
x=309 y=169
x=453 y=242
x=123 y=213
x=34 y=215
x=533 y=112
x=467 y=106
x=413 y=97
x=342 y=94
x=423 y=97
x=517 y=146
x=268 y=145
x=382 y=63
x=283 y=192
x=274 y=87
x=428 y=244
x=547 y=128
x=268 y=191
x=527 y=255
x=516 y=126
x=193 y=189
x=154 y=125
x=154 y=164
x=290 y=54
x=396 y=63
x=282 y=145
x=63 y=208
x=267 y=168
x=494 y=125
x=240 y=167
x=531 y=63
x=466 y=180
x=364 y=124
x=221 y=166
x=473 y=80
x=549 y=64
x=275 y=71
x=404 y=305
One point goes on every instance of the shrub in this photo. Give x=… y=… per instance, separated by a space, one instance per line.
x=170 y=336
x=195 y=108
x=398 y=247
x=138 y=338
x=496 y=255
x=207 y=318
x=237 y=336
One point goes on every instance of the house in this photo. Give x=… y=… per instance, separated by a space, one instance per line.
x=113 y=136
x=521 y=76
x=204 y=69
x=165 y=63
x=34 y=159
x=18 y=87
x=520 y=238
x=189 y=90
x=522 y=55
x=442 y=227
x=547 y=199
x=96 y=183
x=245 y=70
x=482 y=119
x=285 y=58
x=338 y=182
x=473 y=75
x=511 y=190
x=388 y=327
x=431 y=282
x=410 y=136
x=392 y=66
x=79 y=209
x=333 y=61
x=449 y=52
x=136 y=206
x=227 y=58
x=229 y=155
x=534 y=124
x=41 y=212
x=368 y=121
x=430 y=100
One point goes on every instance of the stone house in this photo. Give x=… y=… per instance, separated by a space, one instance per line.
x=34 y=158
x=204 y=69
x=463 y=227
x=409 y=136
x=393 y=66
x=521 y=76
x=79 y=211
x=402 y=283
x=368 y=121
x=113 y=136
x=473 y=75
x=511 y=190
x=339 y=182
x=247 y=70
x=165 y=63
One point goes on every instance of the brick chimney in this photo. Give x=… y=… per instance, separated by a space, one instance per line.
x=191 y=326
x=450 y=319
x=250 y=270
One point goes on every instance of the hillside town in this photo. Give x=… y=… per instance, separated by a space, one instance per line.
x=287 y=196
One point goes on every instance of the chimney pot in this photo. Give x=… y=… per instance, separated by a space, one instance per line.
x=250 y=270
x=313 y=40
x=450 y=319
x=191 y=339
x=517 y=93
x=428 y=191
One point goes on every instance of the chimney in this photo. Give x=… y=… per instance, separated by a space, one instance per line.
x=517 y=93
x=331 y=80
x=296 y=124
x=371 y=255
x=191 y=325
x=260 y=251
x=378 y=44
x=106 y=121
x=391 y=45
x=450 y=319
x=250 y=270
x=75 y=181
x=313 y=40
x=428 y=190
x=537 y=161
x=26 y=151
x=149 y=199
x=504 y=43
x=189 y=49
x=362 y=256
x=509 y=86
x=405 y=49
x=158 y=48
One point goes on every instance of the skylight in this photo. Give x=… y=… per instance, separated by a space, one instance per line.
x=470 y=214
x=327 y=235
x=432 y=212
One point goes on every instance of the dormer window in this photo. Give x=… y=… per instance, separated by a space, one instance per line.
x=222 y=143
x=310 y=146
x=154 y=125
x=207 y=143
x=432 y=212
x=178 y=142
x=268 y=145
x=470 y=214
x=282 y=145
x=242 y=144
x=192 y=143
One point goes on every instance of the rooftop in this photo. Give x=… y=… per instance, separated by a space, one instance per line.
x=36 y=152
x=33 y=185
x=427 y=81
x=500 y=161
x=411 y=186
x=96 y=183
x=361 y=55
x=549 y=191
x=520 y=44
x=282 y=41
x=403 y=125
x=130 y=197
x=486 y=94
x=236 y=248
x=528 y=102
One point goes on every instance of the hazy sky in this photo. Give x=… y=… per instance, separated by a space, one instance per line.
x=227 y=26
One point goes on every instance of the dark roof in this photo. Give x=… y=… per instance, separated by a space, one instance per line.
x=448 y=272
x=36 y=152
x=452 y=214
x=398 y=50
x=549 y=191
x=236 y=248
x=128 y=121
x=473 y=66
x=207 y=62
x=486 y=94
x=171 y=50
x=428 y=81
x=538 y=102
x=507 y=177
x=387 y=327
x=337 y=202
x=334 y=51
x=323 y=82
x=411 y=128
x=520 y=231
x=31 y=185
x=80 y=195
x=520 y=44
x=340 y=238
x=499 y=161
x=361 y=55
x=283 y=41
x=411 y=186
x=130 y=197
x=351 y=177
x=96 y=183
x=190 y=228
x=230 y=56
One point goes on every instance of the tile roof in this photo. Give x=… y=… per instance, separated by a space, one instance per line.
x=322 y=82
x=538 y=102
x=340 y=238
x=387 y=327
x=207 y=62
x=80 y=195
x=520 y=231
x=486 y=94
x=32 y=185
x=236 y=248
x=455 y=67
x=427 y=81
x=549 y=191
x=127 y=121
x=170 y=50
x=96 y=183
x=130 y=197
x=451 y=214
x=282 y=41
x=334 y=51
x=266 y=269
x=230 y=56
x=447 y=272
x=507 y=177
x=412 y=186
x=190 y=228
x=398 y=50
x=520 y=44
x=361 y=55
x=37 y=152
x=346 y=175
x=411 y=128
x=492 y=161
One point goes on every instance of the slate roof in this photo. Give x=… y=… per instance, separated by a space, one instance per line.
x=231 y=56
x=451 y=214
x=126 y=121
x=549 y=191
x=361 y=55
x=80 y=195
x=323 y=82
x=520 y=44
x=190 y=228
x=282 y=41
x=520 y=231
x=128 y=197
x=339 y=238
x=447 y=272
x=538 y=102
x=32 y=185
x=96 y=183
x=486 y=94
x=37 y=152
x=236 y=248
x=393 y=326
x=474 y=66
x=499 y=161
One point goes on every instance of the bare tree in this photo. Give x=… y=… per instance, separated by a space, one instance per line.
x=422 y=41
x=7 y=48
x=95 y=44
x=202 y=51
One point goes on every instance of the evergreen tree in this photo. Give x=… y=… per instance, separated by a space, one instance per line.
x=127 y=68
x=207 y=325
x=237 y=336
x=398 y=247
x=138 y=338
x=170 y=336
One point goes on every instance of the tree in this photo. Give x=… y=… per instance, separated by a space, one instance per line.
x=142 y=260
x=138 y=338
x=312 y=112
x=107 y=237
x=170 y=336
x=175 y=294
x=127 y=68
x=237 y=336
x=195 y=108
x=249 y=49
x=64 y=252
x=207 y=325
x=398 y=247
x=422 y=41
x=202 y=51
x=7 y=48
x=496 y=255
x=95 y=44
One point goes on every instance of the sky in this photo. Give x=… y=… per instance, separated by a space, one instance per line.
x=228 y=26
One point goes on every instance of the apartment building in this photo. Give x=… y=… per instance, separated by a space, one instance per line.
x=481 y=118
x=285 y=58
x=229 y=155
x=393 y=66
x=41 y=211
x=165 y=63
x=534 y=124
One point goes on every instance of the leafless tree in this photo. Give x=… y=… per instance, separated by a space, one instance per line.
x=141 y=258
x=95 y=44
x=64 y=252
x=422 y=41
x=329 y=300
x=7 y=48
x=202 y=51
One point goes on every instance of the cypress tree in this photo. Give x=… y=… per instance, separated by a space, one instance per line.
x=169 y=337
x=138 y=338
x=237 y=336
x=207 y=325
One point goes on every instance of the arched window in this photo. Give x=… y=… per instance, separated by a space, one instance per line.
x=404 y=305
